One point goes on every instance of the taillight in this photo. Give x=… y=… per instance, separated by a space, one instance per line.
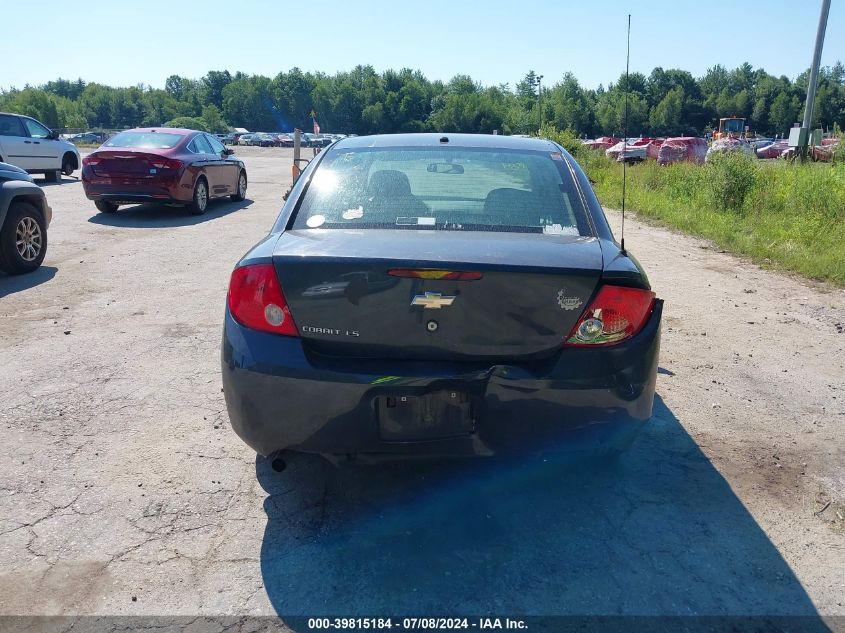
x=616 y=314
x=167 y=163
x=92 y=160
x=425 y=273
x=256 y=300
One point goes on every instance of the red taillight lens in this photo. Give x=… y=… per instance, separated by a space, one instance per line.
x=424 y=273
x=256 y=300
x=167 y=163
x=616 y=314
x=91 y=160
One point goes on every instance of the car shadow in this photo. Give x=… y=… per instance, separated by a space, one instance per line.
x=10 y=284
x=149 y=216
x=659 y=532
x=64 y=180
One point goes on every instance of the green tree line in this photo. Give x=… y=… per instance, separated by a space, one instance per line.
x=362 y=101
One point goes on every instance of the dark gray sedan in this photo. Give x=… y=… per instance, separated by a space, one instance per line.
x=439 y=295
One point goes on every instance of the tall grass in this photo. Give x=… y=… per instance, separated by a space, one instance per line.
x=790 y=216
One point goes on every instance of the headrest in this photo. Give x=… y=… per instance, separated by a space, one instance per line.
x=389 y=183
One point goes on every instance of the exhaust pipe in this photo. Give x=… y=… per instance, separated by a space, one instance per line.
x=279 y=464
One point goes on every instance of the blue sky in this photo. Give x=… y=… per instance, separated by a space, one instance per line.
x=124 y=43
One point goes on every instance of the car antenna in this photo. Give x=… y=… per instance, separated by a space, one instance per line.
x=625 y=139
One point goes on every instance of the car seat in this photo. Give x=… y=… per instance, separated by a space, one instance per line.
x=390 y=196
x=513 y=207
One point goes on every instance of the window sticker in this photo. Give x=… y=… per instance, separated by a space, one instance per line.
x=353 y=214
x=416 y=221
x=557 y=229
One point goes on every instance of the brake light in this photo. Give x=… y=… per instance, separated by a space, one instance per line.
x=167 y=163
x=448 y=275
x=92 y=160
x=617 y=313
x=256 y=300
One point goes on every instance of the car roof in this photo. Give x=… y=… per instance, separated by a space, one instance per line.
x=489 y=141
x=25 y=116
x=165 y=130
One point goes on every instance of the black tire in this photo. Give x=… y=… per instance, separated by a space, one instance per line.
x=199 y=202
x=103 y=206
x=241 y=193
x=68 y=164
x=23 y=239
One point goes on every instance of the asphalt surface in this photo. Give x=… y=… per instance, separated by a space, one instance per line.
x=123 y=489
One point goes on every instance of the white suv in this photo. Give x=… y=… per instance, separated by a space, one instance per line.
x=28 y=144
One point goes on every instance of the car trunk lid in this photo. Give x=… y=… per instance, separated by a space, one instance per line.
x=345 y=301
x=129 y=163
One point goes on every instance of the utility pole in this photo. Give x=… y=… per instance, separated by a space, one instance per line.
x=814 y=72
x=540 y=96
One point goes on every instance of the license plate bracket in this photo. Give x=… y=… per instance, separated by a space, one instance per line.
x=431 y=416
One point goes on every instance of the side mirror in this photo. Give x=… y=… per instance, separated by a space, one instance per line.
x=228 y=151
x=53 y=135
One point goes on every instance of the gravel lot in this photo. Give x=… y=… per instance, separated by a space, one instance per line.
x=123 y=489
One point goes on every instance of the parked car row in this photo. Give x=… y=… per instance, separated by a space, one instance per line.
x=88 y=138
x=698 y=150
x=780 y=149
x=280 y=139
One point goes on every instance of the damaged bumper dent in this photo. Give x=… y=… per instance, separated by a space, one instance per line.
x=280 y=397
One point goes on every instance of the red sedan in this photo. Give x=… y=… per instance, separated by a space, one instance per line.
x=166 y=165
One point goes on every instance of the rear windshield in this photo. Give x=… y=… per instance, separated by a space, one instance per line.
x=149 y=140
x=443 y=189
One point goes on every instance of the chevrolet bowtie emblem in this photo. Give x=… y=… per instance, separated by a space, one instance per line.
x=434 y=300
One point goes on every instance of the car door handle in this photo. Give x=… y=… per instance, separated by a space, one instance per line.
x=37 y=142
x=27 y=142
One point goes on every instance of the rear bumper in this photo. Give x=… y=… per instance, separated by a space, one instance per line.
x=132 y=198
x=280 y=396
x=132 y=190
